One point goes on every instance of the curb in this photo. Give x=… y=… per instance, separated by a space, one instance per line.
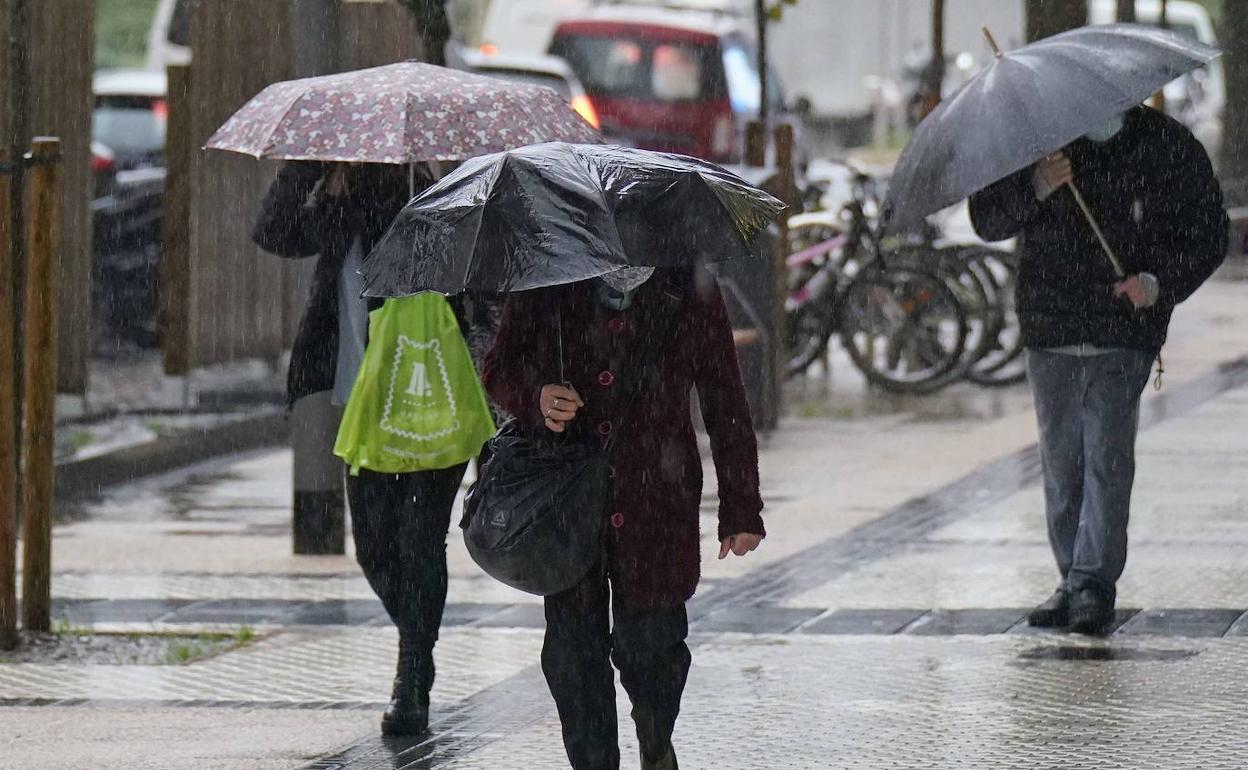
x=76 y=479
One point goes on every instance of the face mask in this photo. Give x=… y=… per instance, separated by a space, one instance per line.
x=627 y=280
x=1107 y=131
x=615 y=300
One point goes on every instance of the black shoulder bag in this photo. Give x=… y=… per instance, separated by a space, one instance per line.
x=534 y=519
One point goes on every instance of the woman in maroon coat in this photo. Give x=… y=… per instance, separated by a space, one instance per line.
x=650 y=564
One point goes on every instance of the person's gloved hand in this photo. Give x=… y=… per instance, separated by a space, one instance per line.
x=1050 y=174
x=1142 y=289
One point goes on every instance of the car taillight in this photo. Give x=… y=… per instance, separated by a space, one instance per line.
x=585 y=108
x=102 y=163
x=723 y=137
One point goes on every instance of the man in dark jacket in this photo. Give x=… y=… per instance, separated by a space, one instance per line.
x=399 y=521
x=1091 y=336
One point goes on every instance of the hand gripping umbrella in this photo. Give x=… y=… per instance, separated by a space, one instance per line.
x=1028 y=103
x=558 y=213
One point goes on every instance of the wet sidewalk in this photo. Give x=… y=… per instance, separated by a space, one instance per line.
x=879 y=626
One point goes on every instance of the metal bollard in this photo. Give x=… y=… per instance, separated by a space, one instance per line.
x=319 y=524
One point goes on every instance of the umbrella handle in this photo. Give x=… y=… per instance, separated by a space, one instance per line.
x=1096 y=228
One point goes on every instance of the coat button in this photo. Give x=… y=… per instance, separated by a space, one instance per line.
x=617 y=520
x=616 y=325
x=606 y=378
x=604 y=428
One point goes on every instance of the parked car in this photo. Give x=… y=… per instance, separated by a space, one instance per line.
x=128 y=146
x=549 y=71
x=668 y=79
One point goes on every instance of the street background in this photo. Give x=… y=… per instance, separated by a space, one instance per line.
x=879 y=625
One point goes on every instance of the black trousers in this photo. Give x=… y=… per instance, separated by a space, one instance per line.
x=647 y=645
x=399 y=524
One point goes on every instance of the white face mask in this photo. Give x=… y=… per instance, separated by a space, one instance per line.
x=1106 y=132
x=627 y=280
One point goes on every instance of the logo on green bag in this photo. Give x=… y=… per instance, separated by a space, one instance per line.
x=420 y=404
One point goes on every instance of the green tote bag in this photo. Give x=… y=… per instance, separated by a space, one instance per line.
x=417 y=403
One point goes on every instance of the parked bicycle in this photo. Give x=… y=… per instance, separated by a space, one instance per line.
x=913 y=313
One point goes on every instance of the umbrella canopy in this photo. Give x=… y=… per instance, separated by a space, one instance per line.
x=559 y=213
x=400 y=113
x=1028 y=103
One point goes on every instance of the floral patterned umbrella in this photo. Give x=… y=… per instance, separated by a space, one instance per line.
x=400 y=113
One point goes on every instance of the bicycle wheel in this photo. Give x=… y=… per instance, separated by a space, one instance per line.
x=807 y=332
x=903 y=328
x=811 y=284
x=975 y=292
x=1002 y=364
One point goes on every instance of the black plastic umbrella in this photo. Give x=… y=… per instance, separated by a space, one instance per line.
x=557 y=213
x=1028 y=103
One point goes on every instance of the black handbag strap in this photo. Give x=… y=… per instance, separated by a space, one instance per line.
x=646 y=361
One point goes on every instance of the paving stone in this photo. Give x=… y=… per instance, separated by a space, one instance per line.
x=756 y=619
x=854 y=621
x=963 y=622
x=237 y=611
x=350 y=612
x=1240 y=628
x=1193 y=623
x=516 y=616
x=467 y=613
x=86 y=613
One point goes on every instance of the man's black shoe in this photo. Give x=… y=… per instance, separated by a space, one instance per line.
x=1054 y=613
x=1091 y=612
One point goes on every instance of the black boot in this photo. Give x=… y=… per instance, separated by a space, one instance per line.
x=668 y=762
x=408 y=711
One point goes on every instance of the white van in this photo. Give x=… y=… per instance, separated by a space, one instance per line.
x=1197 y=99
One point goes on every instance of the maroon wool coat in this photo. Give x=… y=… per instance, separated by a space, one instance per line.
x=653 y=538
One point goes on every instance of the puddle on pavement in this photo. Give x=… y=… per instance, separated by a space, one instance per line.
x=1105 y=654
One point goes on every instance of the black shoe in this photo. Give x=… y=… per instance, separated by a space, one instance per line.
x=668 y=762
x=1054 y=613
x=1091 y=612
x=408 y=710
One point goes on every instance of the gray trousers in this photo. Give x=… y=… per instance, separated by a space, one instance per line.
x=1088 y=409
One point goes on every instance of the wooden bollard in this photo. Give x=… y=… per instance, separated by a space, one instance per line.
x=42 y=237
x=8 y=418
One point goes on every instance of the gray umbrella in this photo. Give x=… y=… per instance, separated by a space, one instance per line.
x=1028 y=103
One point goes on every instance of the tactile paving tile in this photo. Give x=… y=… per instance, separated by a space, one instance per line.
x=815 y=703
x=323 y=666
x=1188 y=535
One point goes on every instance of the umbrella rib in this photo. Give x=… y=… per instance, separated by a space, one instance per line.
x=476 y=235
x=594 y=171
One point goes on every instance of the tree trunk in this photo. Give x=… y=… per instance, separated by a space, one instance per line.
x=1049 y=17
x=934 y=75
x=1126 y=11
x=435 y=28
x=1234 y=161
